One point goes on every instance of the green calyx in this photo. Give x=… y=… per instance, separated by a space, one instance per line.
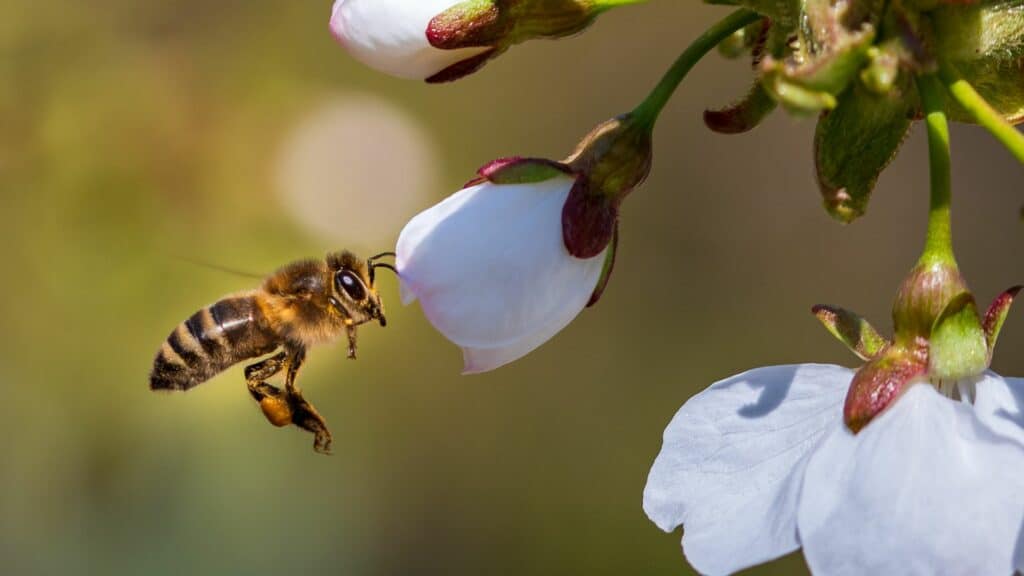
x=957 y=346
x=615 y=157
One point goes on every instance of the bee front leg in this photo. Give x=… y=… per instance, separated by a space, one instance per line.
x=304 y=415
x=350 y=331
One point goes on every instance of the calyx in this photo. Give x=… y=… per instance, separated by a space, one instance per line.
x=605 y=167
x=939 y=337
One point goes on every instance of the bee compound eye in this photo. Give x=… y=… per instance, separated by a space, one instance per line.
x=350 y=284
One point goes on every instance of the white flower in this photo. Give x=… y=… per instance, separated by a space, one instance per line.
x=491 y=270
x=762 y=464
x=391 y=35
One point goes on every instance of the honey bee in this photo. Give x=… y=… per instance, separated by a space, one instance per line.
x=304 y=303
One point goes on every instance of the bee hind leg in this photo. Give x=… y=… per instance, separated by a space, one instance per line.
x=304 y=415
x=271 y=399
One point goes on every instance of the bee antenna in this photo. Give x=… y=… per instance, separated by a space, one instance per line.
x=375 y=265
x=381 y=255
x=384 y=265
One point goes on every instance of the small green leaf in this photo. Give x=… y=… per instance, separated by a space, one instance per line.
x=850 y=329
x=853 y=144
x=957 y=345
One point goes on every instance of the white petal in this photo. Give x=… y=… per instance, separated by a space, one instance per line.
x=924 y=489
x=478 y=360
x=731 y=465
x=391 y=35
x=999 y=404
x=491 y=272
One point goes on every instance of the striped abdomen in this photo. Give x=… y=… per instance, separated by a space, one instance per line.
x=210 y=341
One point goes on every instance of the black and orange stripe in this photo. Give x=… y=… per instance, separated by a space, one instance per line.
x=211 y=340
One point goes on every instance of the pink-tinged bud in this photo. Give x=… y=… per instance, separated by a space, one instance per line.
x=391 y=36
x=611 y=161
x=881 y=381
x=444 y=40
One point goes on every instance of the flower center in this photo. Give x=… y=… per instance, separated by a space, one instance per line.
x=961 y=390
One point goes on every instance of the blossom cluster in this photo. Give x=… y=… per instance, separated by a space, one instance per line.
x=913 y=462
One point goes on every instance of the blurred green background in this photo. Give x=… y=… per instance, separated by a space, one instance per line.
x=135 y=136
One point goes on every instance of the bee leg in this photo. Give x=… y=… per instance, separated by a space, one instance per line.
x=304 y=415
x=350 y=330
x=272 y=400
x=296 y=357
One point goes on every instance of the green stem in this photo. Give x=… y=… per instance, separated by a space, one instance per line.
x=647 y=112
x=982 y=112
x=939 y=239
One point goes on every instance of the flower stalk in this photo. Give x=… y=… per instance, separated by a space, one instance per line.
x=939 y=239
x=980 y=110
x=648 y=110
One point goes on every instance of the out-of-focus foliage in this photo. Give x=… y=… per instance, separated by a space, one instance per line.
x=134 y=136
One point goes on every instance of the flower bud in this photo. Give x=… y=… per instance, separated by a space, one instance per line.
x=489 y=266
x=444 y=40
x=504 y=264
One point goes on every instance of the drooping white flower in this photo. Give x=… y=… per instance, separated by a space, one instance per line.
x=761 y=464
x=508 y=261
x=491 y=271
x=391 y=35
x=444 y=40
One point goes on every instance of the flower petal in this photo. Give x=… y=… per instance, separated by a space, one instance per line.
x=999 y=404
x=490 y=270
x=924 y=489
x=391 y=35
x=731 y=466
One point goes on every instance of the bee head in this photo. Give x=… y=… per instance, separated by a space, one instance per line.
x=354 y=289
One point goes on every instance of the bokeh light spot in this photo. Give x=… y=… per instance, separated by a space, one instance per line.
x=354 y=169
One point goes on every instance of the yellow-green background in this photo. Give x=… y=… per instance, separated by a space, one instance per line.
x=134 y=135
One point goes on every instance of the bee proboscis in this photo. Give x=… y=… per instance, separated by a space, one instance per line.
x=304 y=303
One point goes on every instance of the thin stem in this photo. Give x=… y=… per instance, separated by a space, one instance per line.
x=939 y=240
x=982 y=112
x=648 y=110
